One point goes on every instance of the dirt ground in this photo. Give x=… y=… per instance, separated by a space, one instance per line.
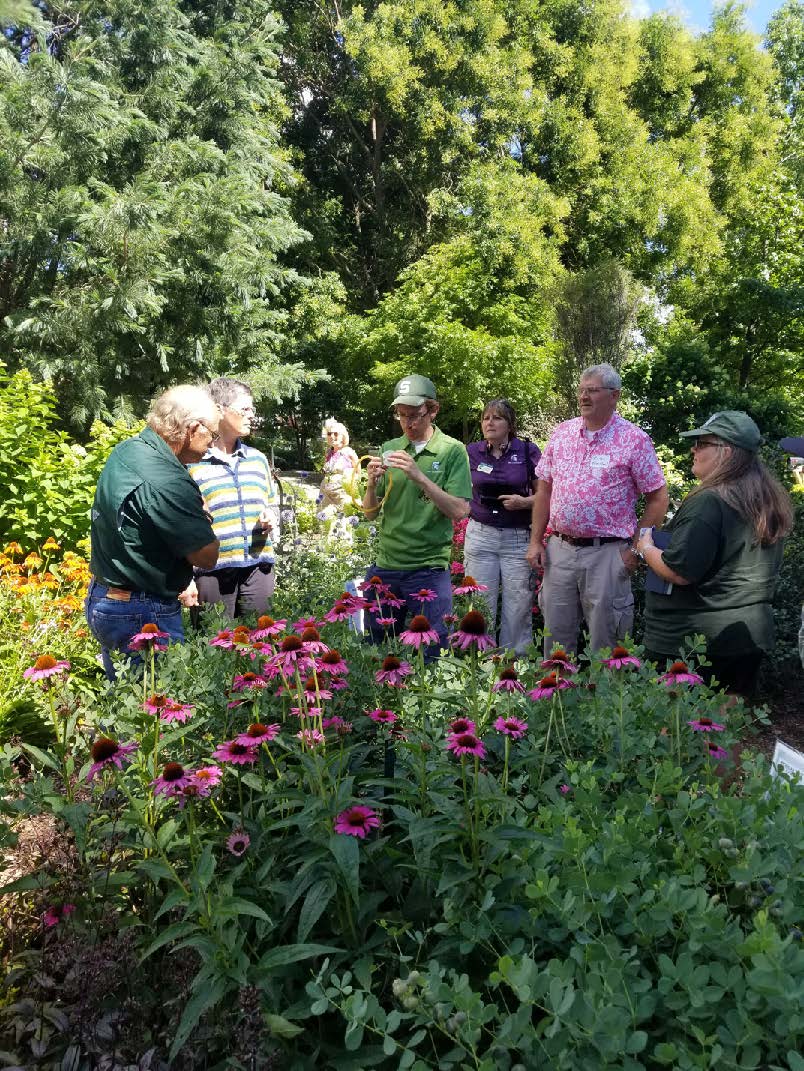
x=786 y=715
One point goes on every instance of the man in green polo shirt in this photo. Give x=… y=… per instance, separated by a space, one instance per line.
x=149 y=525
x=419 y=486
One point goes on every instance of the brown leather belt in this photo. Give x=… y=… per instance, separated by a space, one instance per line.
x=589 y=541
x=118 y=594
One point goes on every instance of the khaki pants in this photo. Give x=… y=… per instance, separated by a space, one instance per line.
x=589 y=583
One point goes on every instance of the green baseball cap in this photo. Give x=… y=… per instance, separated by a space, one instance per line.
x=731 y=426
x=413 y=390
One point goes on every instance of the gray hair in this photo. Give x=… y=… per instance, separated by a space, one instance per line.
x=331 y=424
x=172 y=411
x=225 y=391
x=609 y=376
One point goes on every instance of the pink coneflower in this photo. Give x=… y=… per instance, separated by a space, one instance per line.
x=385 y=622
x=513 y=727
x=292 y=654
x=383 y=717
x=466 y=744
x=335 y=684
x=156 y=704
x=679 y=673
x=374 y=584
x=172 y=781
x=57 y=913
x=223 y=639
x=344 y=608
x=45 y=666
x=149 y=637
x=449 y=619
x=424 y=595
x=244 y=682
x=107 y=752
x=313 y=644
x=560 y=661
x=508 y=681
x=469 y=586
x=393 y=671
x=705 y=725
x=235 y=752
x=716 y=752
x=548 y=685
x=564 y=789
x=341 y=727
x=175 y=711
x=357 y=821
x=306 y=622
x=266 y=626
x=461 y=725
x=456 y=568
x=205 y=778
x=238 y=842
x=241 y=637
x=620 y=658
x=257 y=734
x=310 y=712
x=471 y=632
x=332 y=662
x=419 y=632
x=310 y=737
x=312 y=695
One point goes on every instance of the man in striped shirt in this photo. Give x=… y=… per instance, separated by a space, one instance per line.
x=240 y=495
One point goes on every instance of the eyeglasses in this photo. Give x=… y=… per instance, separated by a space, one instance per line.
x=242 y=410
x=592 y=390
x=701 y=444
x=213 y=435
x=420 y=414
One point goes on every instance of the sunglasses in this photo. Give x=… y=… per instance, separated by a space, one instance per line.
x=701 y=444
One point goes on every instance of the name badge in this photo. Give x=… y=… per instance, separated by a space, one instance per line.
x=599 y=461
x=485 y=468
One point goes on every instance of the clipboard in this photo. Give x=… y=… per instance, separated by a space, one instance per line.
x=653 y=582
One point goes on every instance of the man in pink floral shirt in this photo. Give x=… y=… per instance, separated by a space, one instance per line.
x=590 y=475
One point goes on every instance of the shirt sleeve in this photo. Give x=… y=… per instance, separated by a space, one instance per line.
x=534 y=455
x=544 y=468
x=178 y=517
x=645 y=468
x=695 y=538
x=459 y=478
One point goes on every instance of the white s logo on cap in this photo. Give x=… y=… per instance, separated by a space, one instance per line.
x=404 y=386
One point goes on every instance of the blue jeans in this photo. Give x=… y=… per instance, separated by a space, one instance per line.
x=496 y=557
x=113 y=622
x=404 y=583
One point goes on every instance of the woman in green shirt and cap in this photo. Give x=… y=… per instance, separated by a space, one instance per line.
x=723 y=557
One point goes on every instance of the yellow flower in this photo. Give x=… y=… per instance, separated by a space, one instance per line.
x=13 y=549
x=51 y=544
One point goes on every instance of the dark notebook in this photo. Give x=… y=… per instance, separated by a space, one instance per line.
x=653 y=582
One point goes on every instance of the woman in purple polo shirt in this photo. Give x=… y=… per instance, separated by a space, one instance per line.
x=503 y=487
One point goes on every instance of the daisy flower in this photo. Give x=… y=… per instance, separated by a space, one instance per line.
x=513 y=727
x=257 y=733
x=332 y=662
x=705 y=725
x=383 y=717
x=560 y=661
x=357 y=821
x=469 y=586
x=548 y=685
x=149 y=637
x=393 y=671
x=107 y=752
x=310 y=737
x=679 y=673
x=57 y=913
x=471 y=632
x=45 y=666
x=238 y=842
x=508 y=681
x=419 y=632
x=266 y=626
x=620 y=658
x=173 y=779
x=466 y=744
x=235 y=752
x=461 y=725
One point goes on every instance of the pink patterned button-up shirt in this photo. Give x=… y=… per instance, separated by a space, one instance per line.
x=596 y=482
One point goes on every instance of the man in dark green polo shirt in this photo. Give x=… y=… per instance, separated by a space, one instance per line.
x=149 y=526
x=419 y=486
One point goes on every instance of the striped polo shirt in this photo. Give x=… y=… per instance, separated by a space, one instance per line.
x=236 y=490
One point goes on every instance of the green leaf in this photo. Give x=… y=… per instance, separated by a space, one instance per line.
x=42 y=757
x=795 y=1060
x=207 y=997
x=237 y=906
x=347 y=855
x=27 y=884
x=318 y=896
x=637 y=1042
x=280 y=957
x=281 y=1027
x=173 y=933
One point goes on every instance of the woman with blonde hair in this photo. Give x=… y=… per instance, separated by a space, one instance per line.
x=340 y=464
x=719 y=569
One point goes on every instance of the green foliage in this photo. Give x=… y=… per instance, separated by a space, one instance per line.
x=48 y=482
